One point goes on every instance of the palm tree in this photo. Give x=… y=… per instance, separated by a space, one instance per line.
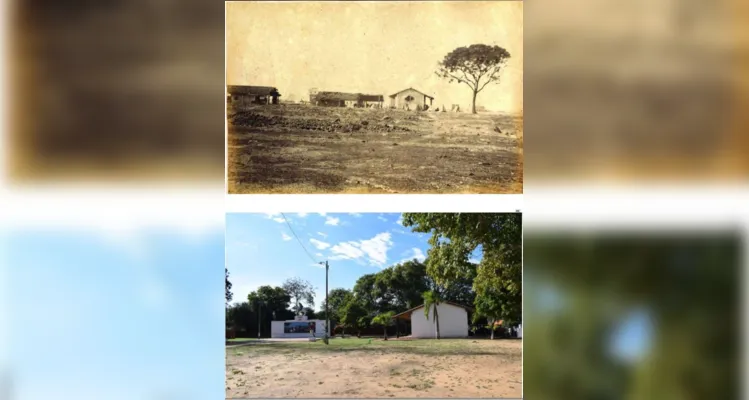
x=384 y=320
x=432 y=297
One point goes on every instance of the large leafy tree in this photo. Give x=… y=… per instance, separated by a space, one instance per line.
x=269 y=303
x=476 y=65
x=396 y=288
x=353 y=314
x=366 y=293
x=271 y=300
x=498 y=292
x=497 y=279
x=301 y=291
x=337 y=298
x=408 y=281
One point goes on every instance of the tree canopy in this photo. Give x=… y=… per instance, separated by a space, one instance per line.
x=476 y=66
x=497 y=279
x=301 y=291
x=229 y=294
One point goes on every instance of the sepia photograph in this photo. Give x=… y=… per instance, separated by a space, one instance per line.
x=374 y=305
x=374 y=97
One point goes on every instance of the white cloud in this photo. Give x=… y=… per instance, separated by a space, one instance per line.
x=319 y=254
x=332 y=221
x=400 y=220
x=416 y=253
x=474 y=261
x=325 y=235
x=346 y=251
x=276 y=217
x=285 y=237
x=374 y=249
x=357 y=215
x=301 y=215
x=320 y=245
x=381 y=218
x=323 y=214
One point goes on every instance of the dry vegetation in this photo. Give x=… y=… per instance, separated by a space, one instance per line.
x=357 y=368
x=295 y=148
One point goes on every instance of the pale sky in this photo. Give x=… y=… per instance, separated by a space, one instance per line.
x=371 y=47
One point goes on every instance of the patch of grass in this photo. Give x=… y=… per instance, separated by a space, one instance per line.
x=421 y=385
x=444 y=347
x=240 y=340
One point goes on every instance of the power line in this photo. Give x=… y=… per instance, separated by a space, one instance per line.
x=297 y=238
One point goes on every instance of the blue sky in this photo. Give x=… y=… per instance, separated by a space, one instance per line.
x=262 y=250
x=116 y=315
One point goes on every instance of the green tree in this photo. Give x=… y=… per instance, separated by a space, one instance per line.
x=301 y=291
x=408 y=281
x=498 y=292
x=476 y=65
x=241 y=318
x=270 y=303
x=229 y=294
x=337 y=299
x=384 y=320
x=433 y=298
x=353 y=314
x=455 y=236
x=365 y=291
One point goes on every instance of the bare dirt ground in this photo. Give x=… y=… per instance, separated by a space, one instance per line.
x=354 y=368
x=293 y=148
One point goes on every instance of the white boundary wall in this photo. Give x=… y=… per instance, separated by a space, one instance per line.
x=276 y=329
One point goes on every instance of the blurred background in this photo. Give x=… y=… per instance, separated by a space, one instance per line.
x=115 y=90
x=633 y=315
x=93 y=313
x=637 y=90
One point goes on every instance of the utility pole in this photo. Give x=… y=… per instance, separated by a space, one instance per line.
x=327 y=316
x=259 y=304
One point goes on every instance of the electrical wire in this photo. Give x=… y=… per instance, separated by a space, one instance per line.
x=297 y=238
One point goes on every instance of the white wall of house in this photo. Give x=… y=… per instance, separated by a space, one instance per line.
x=277 y=331
x=400 y=99
x=453 y=322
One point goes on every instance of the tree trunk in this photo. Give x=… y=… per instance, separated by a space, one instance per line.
x=473 y=105
x=492 y=337
x=437 y=321
x=385 y=331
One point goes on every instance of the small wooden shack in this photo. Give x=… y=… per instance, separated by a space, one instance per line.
x=245 y=95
